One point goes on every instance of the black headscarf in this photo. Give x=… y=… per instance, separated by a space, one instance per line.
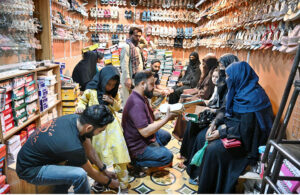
x=85 y=69
x=100 y=81
x=195 y=63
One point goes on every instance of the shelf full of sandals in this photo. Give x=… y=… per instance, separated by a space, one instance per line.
x=250 y=25
x=264 y=33
x=18 y=27
x=69 y=34
x=167 y=26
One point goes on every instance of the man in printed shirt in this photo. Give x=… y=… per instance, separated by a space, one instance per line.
x=132 y=61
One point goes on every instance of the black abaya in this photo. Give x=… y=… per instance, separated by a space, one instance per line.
x=221 y=168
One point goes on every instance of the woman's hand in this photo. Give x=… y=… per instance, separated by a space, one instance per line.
x=79 y=110
x=108 y=99
x=179 y=84
x=214 y=135
x=211 y=128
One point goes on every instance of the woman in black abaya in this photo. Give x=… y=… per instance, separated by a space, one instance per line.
x=189 y=80
x=86 y=69
x=248 y=118
x=193 y=129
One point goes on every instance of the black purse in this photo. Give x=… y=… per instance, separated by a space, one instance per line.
x=205 y=118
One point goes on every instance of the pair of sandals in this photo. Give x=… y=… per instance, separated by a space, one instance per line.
x=128 y=14
x=101 y=13
x=63 y=3
x=99 y=38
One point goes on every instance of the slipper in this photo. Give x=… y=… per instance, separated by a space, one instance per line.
x=181 y=165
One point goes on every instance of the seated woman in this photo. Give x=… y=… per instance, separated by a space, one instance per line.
x=248 y=118
x=189 y=80
x=192 y=129
x=110 y=145
x=205 y=87
x=204 y=90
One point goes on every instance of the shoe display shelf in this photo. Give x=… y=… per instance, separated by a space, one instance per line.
x=12 y=80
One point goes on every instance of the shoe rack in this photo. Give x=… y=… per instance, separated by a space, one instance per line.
x=254 y=31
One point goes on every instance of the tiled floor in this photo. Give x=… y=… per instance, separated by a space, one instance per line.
x=167 y=181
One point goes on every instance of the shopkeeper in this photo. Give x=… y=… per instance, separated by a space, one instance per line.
x=145 y=140
x=65 y=140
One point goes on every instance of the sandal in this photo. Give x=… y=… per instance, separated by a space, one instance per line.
x=181 y=165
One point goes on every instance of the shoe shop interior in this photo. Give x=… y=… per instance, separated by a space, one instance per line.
x=217 y=81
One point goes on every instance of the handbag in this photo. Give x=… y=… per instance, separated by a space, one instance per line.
x=231 y=143
x=205 y=118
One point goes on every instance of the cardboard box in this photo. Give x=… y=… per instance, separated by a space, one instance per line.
x=8 y=126
x=7 y=84
x=29 y=78
x=69 y=94
x=69 y=109
x=70 y=103
x=66 y=113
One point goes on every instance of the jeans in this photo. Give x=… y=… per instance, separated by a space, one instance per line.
x=63 y=177
x=156 y=154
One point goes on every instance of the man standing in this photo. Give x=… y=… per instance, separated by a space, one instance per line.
x=132 y=61
x=145 y=140
x=64 y=139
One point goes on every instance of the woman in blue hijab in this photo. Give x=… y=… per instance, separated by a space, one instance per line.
x=248 y=118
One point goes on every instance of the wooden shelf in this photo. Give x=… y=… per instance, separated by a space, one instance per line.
x=50 y=108
x=11 y=132
x=15 y=73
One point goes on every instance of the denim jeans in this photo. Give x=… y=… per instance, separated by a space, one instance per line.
x=156 y=154
x=63 y=177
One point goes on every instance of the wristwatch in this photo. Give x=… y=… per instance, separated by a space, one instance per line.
x=103 y=168
x=109 y=181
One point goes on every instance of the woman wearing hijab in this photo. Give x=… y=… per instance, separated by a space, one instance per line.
x=203 y=90
x=205 y=87
x=193 y=131
x=189 y=80
x=248 y=118
x=110 y=144
x=86 y=69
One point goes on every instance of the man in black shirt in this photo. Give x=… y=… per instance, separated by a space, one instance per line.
x=64 y=140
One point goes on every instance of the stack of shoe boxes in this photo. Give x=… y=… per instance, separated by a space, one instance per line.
x=49 y=80
x=6 y=115
x=13 y=148
x=151 y=56
x=30 y=129
x=18 y=100
x=4 y=188
x=2 y=157
x=115 y=55
x=70 y=94
x=164 y=77
x=175 y=74
x=31 y=93
x=169 y=68
x=43 y=91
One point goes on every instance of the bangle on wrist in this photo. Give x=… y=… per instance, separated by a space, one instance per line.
x=107 y=184
x=103 y=168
